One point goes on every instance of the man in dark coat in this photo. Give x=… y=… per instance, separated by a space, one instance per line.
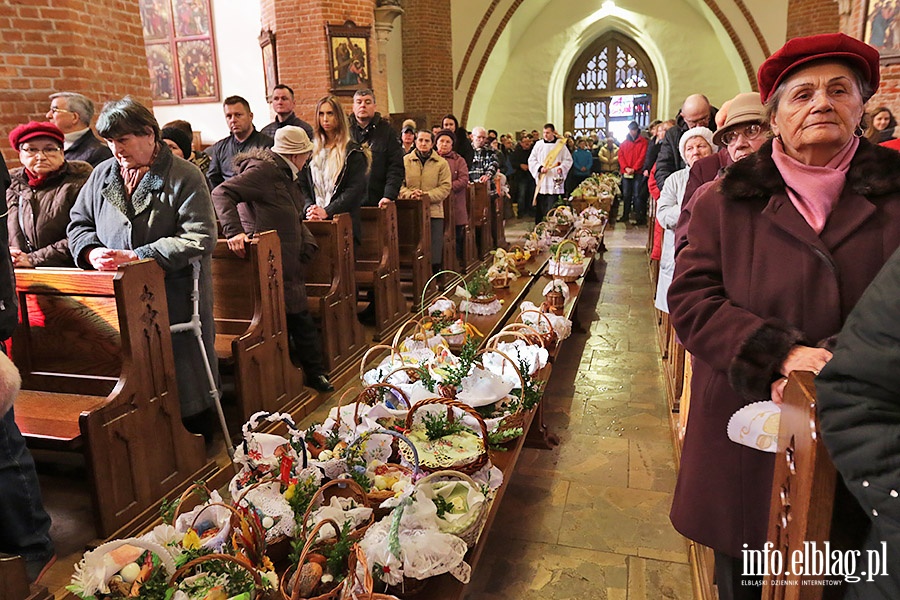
x=524 y=182
x=72 y=113
x=369 y=129
x=695 y=112
x=283 y=104
x=731 y=301
x=24 y=524
x=264 y=195
x=858 y=401
x=243 y=137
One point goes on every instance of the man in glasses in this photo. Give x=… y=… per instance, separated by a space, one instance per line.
x=695 y=112
x=72 y=113
x=741 y=133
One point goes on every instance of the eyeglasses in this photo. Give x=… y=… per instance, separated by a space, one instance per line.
x=750 y=132
x=701 y=122
x=48 y=152
x=55 y=110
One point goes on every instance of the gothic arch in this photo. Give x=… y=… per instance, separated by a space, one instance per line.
x=613 y=65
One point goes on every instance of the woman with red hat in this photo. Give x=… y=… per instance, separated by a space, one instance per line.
x=42 y=192
x=779 y=253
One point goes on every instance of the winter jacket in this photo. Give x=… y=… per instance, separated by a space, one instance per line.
x=459 y=177
x=349 y=189
x=38 y=217
x=669 y=159
x=386 y=171
x=632 y=153
x=754 y=281
x=432 y=178
x=262 y=196
x=704 y=170
x=89 y=149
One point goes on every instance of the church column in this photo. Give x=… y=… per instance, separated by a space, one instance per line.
x=94 y=47
x=427 y=59
x=301 y=41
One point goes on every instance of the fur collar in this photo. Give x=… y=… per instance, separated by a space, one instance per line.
x=113 y=190
x=253 y=154
x=874 y=171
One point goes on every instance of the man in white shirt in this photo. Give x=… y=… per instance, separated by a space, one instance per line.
x=549 y=163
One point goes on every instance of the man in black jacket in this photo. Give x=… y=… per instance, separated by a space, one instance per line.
x=72 y=113
x=243 y=137
x=24 y=524
x=368 y=129
x=695 y=112
x=283 y=104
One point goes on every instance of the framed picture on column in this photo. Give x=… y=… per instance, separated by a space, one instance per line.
x=270 y=60
x=882 y=29
x=348 y=49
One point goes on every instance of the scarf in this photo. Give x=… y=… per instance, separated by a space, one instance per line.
x=814 y=191
x=34 y=180
x=325 y=168
x=423 y=156
x=132 y=177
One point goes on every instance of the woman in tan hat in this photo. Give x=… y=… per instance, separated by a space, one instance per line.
x=263 y=195
x=779 y=252
x=40 y=196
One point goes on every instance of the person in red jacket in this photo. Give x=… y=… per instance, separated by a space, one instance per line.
x=631 y=163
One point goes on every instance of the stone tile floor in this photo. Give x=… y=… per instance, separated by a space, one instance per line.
x=589 y=519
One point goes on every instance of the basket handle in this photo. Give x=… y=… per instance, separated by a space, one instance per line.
x=359 y=495
x=257 y=580
x=190 y=491
x=397 y=336
x=234 y=513
x=296 y=435
x=559 y=248
x=542 y=316
x=409 y=370
x=244 y=491
x=449 y=473
x=428 y=284
x=366 y=394
x=495 y=339
x=518 y=327
x=453 y=404
x=365 y=436
x=365 y=358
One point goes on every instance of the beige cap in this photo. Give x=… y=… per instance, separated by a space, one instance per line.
x=291 y=140
x=743 y=109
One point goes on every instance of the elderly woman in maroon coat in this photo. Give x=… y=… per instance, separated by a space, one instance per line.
x=778 y=255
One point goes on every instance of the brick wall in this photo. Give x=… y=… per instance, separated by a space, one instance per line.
x=302 y=46
x=809 y=17
x=94 y=47
x=427 y=59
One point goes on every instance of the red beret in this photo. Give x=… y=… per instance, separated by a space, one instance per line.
x=33 y=129
x=799 y=51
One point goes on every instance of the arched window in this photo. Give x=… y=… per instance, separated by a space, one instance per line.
x=611 y=84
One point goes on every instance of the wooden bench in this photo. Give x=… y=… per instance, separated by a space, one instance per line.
x=497 y=216
x=14 y=583
x=331 y=288
x=98 y=375
x=414 y=245
x=803 y=490
x=478 y=204
x=378 y=267
x=449 y=261
x=251 y=327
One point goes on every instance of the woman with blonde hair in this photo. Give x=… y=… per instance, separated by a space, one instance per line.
x=336 y=177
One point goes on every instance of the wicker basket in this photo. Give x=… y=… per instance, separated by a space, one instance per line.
x=395 y=356
x=289 y=591
x=365 y=589
x=476 y=463
x=524 y=331
x=345 y=488
x=568 y=272
x=376 y=497
x=260 y=592
x=516 y=418
x=520 y=263
x=549 y=337
x=473 y=530
x=553 y=219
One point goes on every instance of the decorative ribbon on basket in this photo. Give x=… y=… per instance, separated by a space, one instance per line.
x=464 y=452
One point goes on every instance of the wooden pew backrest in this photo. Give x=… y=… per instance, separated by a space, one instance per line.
x=251 y=326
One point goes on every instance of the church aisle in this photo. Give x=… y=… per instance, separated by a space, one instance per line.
x=589 y=519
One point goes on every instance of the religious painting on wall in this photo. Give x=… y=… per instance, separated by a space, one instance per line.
x=181 y=52
x=883 y=29
x=349 y=50
x=270 y=60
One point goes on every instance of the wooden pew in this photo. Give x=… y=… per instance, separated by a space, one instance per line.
x=803 y=490
x=471 y=260
x=14 y=583
x=498 y=223
x=449 y=261
x=251 y=327
x=378 y=267
x=331 y=288
x=414 y=246
x=478 y=204
x=98 y=375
